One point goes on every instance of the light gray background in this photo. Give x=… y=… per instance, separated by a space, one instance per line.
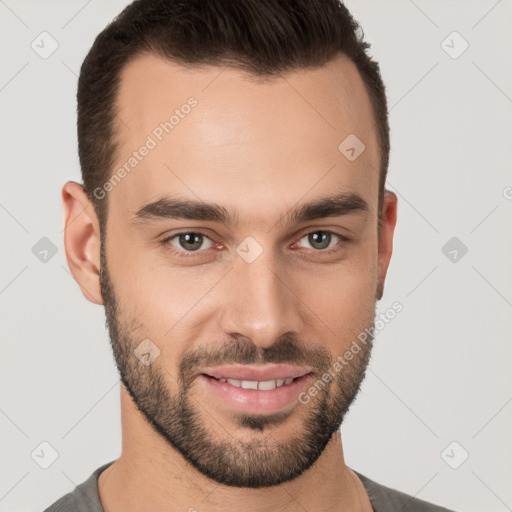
x=441 y=370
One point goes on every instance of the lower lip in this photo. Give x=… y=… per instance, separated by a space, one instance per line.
x=254 y=401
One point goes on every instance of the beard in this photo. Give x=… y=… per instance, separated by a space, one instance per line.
x=261 y=461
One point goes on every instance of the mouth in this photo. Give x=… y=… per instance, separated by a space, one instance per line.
x=256 y=390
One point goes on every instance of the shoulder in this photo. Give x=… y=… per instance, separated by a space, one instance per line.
x=65 y=504
x=386 y=499
x=84 y=497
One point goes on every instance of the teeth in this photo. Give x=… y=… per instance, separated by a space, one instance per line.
x=267 y=384
x=262 y=385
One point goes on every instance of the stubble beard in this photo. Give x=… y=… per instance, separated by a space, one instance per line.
x=260 y=461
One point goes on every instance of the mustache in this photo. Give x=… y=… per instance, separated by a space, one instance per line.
x=288 y=349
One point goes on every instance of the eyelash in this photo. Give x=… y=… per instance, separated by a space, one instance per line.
x=199 y=253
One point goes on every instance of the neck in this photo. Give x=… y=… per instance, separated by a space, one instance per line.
x=151 y=475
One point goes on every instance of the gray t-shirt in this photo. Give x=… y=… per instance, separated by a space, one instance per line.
x=85 y=497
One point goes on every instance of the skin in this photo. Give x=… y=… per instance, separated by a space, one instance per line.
x=287 y=154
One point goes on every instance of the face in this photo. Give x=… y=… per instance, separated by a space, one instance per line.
x=241 y=260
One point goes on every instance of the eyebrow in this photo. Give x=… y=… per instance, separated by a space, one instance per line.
x=176 y=208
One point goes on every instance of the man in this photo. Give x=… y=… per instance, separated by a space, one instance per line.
x=234 y=223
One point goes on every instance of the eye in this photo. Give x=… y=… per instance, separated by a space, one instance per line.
x=191 y=244
x=321 y=239
x=189 y=241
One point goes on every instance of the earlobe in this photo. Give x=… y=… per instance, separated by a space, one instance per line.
x=387 y=229
x=82 y=240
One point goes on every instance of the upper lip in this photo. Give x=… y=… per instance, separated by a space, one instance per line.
x=259 y=373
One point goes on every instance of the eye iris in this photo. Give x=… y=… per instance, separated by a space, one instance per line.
x=196 y=239
x=321 y=237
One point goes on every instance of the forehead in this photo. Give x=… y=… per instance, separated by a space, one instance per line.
x=217 y=134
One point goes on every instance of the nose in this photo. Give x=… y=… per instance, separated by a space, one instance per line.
x=260 y=302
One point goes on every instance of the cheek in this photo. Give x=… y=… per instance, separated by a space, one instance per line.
x=343 y=295
x=164 y=300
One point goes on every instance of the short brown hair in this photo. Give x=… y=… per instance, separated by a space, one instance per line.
x=262 y=37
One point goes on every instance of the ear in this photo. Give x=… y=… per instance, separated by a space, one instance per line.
x=387 y=229
x=82 y=240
